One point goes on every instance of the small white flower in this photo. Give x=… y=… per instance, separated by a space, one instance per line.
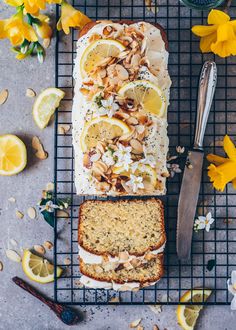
x=135 y=183
x=107 y=158
x=232 y=289
x=123 y=155
x=109 y=107
x=204 y=222
x=49 y=207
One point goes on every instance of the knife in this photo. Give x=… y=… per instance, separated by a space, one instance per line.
x=190 y=186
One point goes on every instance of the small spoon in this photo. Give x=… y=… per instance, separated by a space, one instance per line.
x=65 y=314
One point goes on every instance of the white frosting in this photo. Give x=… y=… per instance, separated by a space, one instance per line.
x=90 y=258
x=128 y=286
x=157 y=141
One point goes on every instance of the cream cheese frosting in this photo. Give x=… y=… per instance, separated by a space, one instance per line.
x=157 y=141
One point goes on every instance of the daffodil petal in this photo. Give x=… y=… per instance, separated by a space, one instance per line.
x=229 y=147
x=217 y=17
x=203 y=30
x=225 y=32
x=234 y=183
x=217 y=160
x=14 y=3
x=206 y=42
x=222 y=174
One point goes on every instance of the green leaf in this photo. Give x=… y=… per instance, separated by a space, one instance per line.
x=211 y=264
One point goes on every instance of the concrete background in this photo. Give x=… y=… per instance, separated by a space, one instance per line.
x=18 y=310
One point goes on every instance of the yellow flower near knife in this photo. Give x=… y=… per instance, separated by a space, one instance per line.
x=223 y=169
x=219 y=36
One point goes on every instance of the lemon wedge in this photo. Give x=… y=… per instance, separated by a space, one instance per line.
x=97 y=52
x=145 y=94
x=187 y=314
x=101 y=129
x=13 y=155
x=148 y=173
x=45 y=105
x=38 y=269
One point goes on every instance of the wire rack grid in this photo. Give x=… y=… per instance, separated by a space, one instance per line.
x=185 y=63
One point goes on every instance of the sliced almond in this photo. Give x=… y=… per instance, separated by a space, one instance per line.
x=31 y=212
x=13 y=255
x=67 y=261
x=13 y=242
x=48 y=245
x=155 y=327
x=50 y=186
x=103 y=186
x=137 y=147
x=63 y=129
x=124 y=256
x=122 y=73
x=39 y=249
x=12 y=200
x=19 y=214
x=30 y=92
x=132 y=121
x=99 y=269
x=37 y=145
x=128 y=136
x=95 y=157
x=3 y=96
x=135 y=323
x=139 y=327
x=1 y=266
x=114 y=300
x=46 y=42
x=128 y=265
x=62 y=214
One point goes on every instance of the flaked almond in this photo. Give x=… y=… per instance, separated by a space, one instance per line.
x=95 y=37
x=137 y=147
x=128 y=265
x=31 y=212
x=95 y=157
x=165 y=174
x=114 y=300
x=101 y=147
x=84 y=91
x=128 y=136
x=142 y=118
x=122 y=73
x=46 y=42
x=103 y=186
x=38 y=146
x=48 y=245
x=3 y=96
x=13 y=255
x=1 y=266
x=155 y=327
x=99 y=168
x=39 y=249
x=13 y=242
x=50 y=186
x=139 y=327
x=98 y=269
x=19 y=214
x=107 y=30
x=135 y=60
x=135 y=323
x=63 y=129
x=149 y=256
x=12 y=200
x=62 y=214
x=67 y=261
x=123 y=54
x=135 y=262
x=30 y=93
x=132 y=121
x=104 y=62
x=86 y=161
x=140 y=128
x=124 y=255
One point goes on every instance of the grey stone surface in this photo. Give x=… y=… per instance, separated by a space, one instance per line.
x=18 y=310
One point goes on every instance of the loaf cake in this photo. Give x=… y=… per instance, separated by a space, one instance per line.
x=119 y=111
x=121 y=243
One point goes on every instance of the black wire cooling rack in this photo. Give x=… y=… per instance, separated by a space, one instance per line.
x=185 y=63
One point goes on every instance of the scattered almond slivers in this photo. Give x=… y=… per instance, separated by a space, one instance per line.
x=12 y=200
x=114 y=300
x=13 y=255
x=39 y=249
x=48 y=245
x=62 y=214
x=19 y=215
x=135 y=323
x=67 y=261
x=63 y=129
x=31 y=212
x=30 y=93
x=37 y=145
x=3 y=96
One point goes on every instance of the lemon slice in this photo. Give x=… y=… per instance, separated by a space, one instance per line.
x=13 y=155
x=101 y=129
x=187 y=314
x=98 y=51
x=148 y=173
x=145 y=94
x=45 y=105
x=38 y=269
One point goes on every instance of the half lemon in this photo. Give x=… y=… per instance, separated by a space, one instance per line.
x=38 y=269
x=101 y=129
x=97 y=52
x=13 y=155
x=145 y=94
x=187 y=315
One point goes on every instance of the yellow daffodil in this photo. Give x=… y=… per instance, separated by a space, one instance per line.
x=42 y=27
x=17 y=30
x=14 y=3
x=70 y=17
x=34 y=6
x=54 y=1
x=3 y=32
x=219 y=36
x=223 y=169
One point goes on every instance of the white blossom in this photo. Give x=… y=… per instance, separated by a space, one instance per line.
x=123 y=155
x=204 y=222
x=49 y=207
x=107 y=158
x=109 y=107
x=135 y=183
x=232 y=289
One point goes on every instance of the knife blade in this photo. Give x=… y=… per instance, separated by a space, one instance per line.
x=191 y=181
